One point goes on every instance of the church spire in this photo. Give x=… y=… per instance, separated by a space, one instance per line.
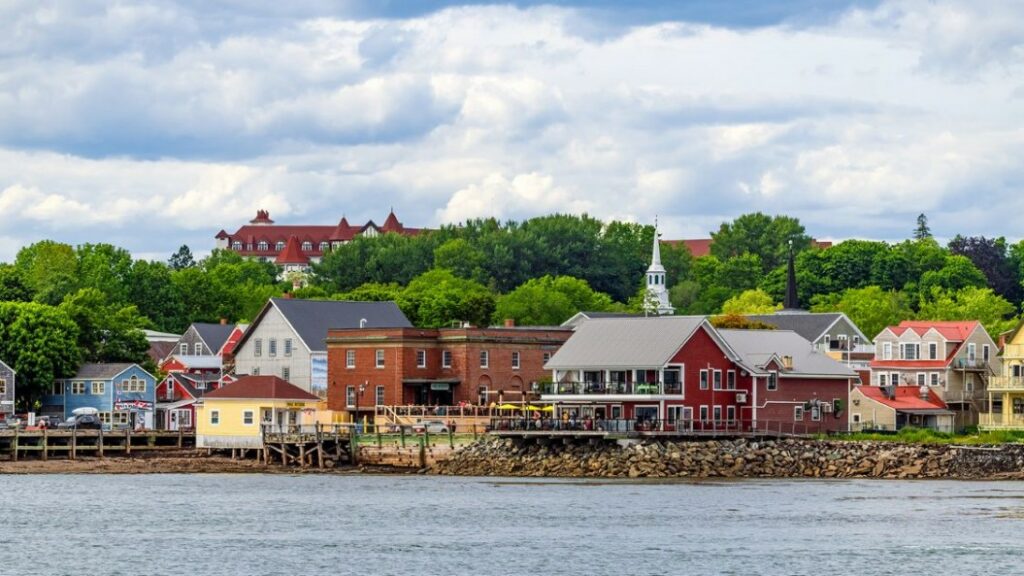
x=656 y=251
x=656 y=300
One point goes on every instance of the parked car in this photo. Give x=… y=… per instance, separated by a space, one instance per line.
x=82 y=422
x=431 y=426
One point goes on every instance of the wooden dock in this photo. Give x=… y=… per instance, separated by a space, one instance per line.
x=306 y=446
x=45 y=444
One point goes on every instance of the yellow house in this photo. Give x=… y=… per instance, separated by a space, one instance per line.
x=1006 y=391
x=234 y=416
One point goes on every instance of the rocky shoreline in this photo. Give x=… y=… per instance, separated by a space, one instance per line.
x=741 y=458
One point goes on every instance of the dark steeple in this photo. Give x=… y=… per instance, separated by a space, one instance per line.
x=791 y=302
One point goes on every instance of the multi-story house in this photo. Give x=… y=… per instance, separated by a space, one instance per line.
x=832 y=333
x=287 y=337
x=369 y=368
x=6 y=390
x=955 y=359
x=676 y=372
x=123 y=394
x=1006 y=390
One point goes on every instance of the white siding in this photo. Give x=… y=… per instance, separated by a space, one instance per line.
x=273 y=325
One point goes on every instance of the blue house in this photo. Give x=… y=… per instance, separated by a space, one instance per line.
x=123 y=394
x=6 y=390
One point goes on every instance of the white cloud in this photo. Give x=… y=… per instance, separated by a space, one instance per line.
x=499 y=197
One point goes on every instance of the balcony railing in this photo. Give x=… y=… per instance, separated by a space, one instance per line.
x=848 y=348
x=970 y=364
x=998 y=420
x=1006 y=383
x=608 y=388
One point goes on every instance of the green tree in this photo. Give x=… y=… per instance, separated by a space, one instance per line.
x=991 y=256
x=153 y=292
x=106 y=268
x=750 y=302
x=462 y=258
x=40 y=343
x=371 y=292
x=766 y=236
x=438 y=298
x=956 y=274
x=12 y=288
x=549 y=301
x=107 y=332
x=49 y=269
x=971 y=303
x=922 y=230
x=182 y=258
x=870 y=308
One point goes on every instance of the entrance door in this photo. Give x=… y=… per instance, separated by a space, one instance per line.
x=680 y=418
x=645 y=417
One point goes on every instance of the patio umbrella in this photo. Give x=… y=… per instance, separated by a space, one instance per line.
x=508 y=407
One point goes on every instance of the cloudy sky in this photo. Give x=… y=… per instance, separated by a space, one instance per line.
x=153 y=124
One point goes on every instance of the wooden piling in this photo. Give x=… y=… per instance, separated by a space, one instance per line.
x=46 y=444
x=14 y=445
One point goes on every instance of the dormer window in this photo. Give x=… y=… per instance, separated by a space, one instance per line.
x=263 y=246
x=323 y=246
x=307 y=246
x=236 y=245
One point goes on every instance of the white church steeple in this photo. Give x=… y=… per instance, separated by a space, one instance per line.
x=657 y=293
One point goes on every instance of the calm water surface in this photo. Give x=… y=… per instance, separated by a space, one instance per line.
x=413 y=525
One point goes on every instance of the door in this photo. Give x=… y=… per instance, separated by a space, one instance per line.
x=646 y=417
x=680 y=418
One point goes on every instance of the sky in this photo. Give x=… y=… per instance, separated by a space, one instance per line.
x=153 y=124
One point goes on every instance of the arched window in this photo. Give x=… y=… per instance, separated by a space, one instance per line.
x=307 y=246
x=280 y=245
x=323 y=246
x=263 y=245
x=237 y=245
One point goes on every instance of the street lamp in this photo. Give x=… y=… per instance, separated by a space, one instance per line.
x=359 y=392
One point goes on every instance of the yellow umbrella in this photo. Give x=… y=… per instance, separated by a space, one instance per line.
x=548 y=408
x=508 y=407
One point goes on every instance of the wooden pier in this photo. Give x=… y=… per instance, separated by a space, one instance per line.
x=320 y=445
x=46 y=444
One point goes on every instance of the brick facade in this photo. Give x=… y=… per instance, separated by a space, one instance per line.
x=405 y=380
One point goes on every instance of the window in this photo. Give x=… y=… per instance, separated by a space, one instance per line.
x=58 y=389
x=921 y=379
x=703 y=379
x=816 y=413
x=446 y=359
x=881 y=379
x=279 y=245
x=718 y=413
x=350 y=358
x=255 y=370
x=247 y=417
x=515 y=360
x=120 y=418
x=911 y=351
x=287 y=346
x=421 y=358
x=972 y=352
x=935 y=379
x=887 y=350
x=969 y=383
x=856 y=417
x=272 y=347
x=798 y=413
x=547 y=356
x=984 y=352
x=856 y=340
x=350 y=396
x=730 y=413
x=380 y=358
x=894 y=379
x=828 y=342
x=323 y=246
x=307 y=246
x=78 y=388
x=257 y=347
x=717 y=380
x=3 y=387
x=703 y=413
x=99 y=387
x=183 y=349
x=730 y=380
x=286 y=373
x=379 y=396
x=1016 y=370
x=933 y=350
x=263 y=246
x=236 y=245
x=198 y=349
x=214 y=417
x=484 y=359
x=133 y=384
x=773 y=381
x=105 y=418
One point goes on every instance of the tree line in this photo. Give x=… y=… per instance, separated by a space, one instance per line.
x=61 y=305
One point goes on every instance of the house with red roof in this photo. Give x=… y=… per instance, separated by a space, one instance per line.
x=295 y=247
x=236 y=415
x=955 y=359
x=894 y=408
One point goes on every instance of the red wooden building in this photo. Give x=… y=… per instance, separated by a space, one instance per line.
x=679 y=372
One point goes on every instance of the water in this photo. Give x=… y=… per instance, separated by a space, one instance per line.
x=416 y=525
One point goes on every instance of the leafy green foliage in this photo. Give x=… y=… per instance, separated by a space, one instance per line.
x=181 y=259
x=49 y=269
x=107 y=332
x=970 y=303
x=750 y=302
x=549 y=301
x=870 y=308
x=438 y=298
x=40 y=343
x=766 y=236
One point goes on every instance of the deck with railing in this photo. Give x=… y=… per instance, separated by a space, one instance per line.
x=624 y=428
x=999 y=421
x=1006 y=384
x=599 y=387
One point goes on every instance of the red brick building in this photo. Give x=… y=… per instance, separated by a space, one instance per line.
x=447 y=366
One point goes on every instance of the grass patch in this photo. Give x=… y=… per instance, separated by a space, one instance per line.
x=912 y=435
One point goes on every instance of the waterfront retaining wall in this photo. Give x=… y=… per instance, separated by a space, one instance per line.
x=741 y=458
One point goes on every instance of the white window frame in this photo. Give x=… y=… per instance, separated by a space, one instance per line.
x=214 y=417
x=933 y=350
x=894 y=379
x=421 y=358
x=516 y=361
x=922 y=379
x=350 y=358
x=972 y=352
x=379 y=358
x=378 y=395
x=183 y=349
x=716 y=380
x=798 y=413
x=772 y=383
x=882 y=378
x=905 y=346
x=257 y=347
x=288 y=347
x=97 y=388
x=77 y=388
x=255 y=370
x=286 y=373
x=933 y=379
x=446 y=359
x=705 y=379
x=547 y=357
x=248 y=417
x=485 y=359
x=730 y=380
x=197 y=348
x=350 y=396
x=886 y=350
x=272 y=347
x=716 y=413
x=816 y=413
x=730 y=414
x=985 y=353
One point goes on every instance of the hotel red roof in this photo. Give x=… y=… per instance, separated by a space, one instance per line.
x=906 y=398
x=261 y=388
x=956 y=331
x=292 y=254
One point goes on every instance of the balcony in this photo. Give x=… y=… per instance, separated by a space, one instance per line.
x=1006 y=384
x=974 y=364
x=997 y=421
x=608 y=388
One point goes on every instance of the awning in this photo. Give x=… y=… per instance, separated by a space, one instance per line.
x=421 y=381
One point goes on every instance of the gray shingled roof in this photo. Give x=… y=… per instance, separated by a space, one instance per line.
x=313 y=318
x=757 y=347
x=100 y=371
x=215 y=335
x=611 y=343
x=810 y=325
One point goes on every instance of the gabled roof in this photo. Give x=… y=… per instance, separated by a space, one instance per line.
x=158 y=351
x=612 y=343
x=391 y=224
x=954 y=331
x=101 y=371
x=7 y=366
x=292 y=253
x=344 y=231
x=213 y=335
x=757 y=348
x=907 y=398
x=189 y=382
x=585 y=315
x=261 y=388
x=810 y=325
x=204 y=362
x=311 y=319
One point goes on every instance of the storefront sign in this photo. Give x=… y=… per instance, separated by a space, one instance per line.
x=143 y=405
x=440 y=386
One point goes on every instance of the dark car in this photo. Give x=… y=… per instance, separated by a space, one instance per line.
x=82 y=422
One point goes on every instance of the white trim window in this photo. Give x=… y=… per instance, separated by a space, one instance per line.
x=972 y=352
x=272 y=347
x=287 y=346
x=198 y=349
x=716 y=380
x=886 y=350
x=985 y=355
x=350 y=396
x=421 y=358
x=286 y=373
x=773 y=381
x=380 y=358
x=446 y=359
x=881 y=379
x=922 y=379
x=730 y=414
x=378 y=396
x=183 y=349
x=515 y=360
x=798 y=413
x=248 y=418
x=78 y=388
x=703 y=381
x=934 y=379
x=546 y=357
x=214 y=417
x=703 y=413
x=485 y=359
x=97 y=388
x=255 y=370
x=350 y=358
x=933 y=350
x=730 y=380
x=257 y=347
x=910 y=351
x=816 y=413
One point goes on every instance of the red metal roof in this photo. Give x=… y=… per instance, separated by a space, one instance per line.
x=392 y=224
x=263 y=229
x=956 y=331
x=343 y=231
x=292 y=254
x=897 y=364
x=906 y=398
x=261 y=388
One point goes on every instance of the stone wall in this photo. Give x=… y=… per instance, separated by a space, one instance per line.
x=789 y=458
x=412 y=456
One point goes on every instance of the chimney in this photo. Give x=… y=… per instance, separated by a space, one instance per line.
x=787 y=362
x=510 y=323
x=287 y=296
x=925 y=395
x=1002 y=341
x=223 y=321
x=362 y=322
